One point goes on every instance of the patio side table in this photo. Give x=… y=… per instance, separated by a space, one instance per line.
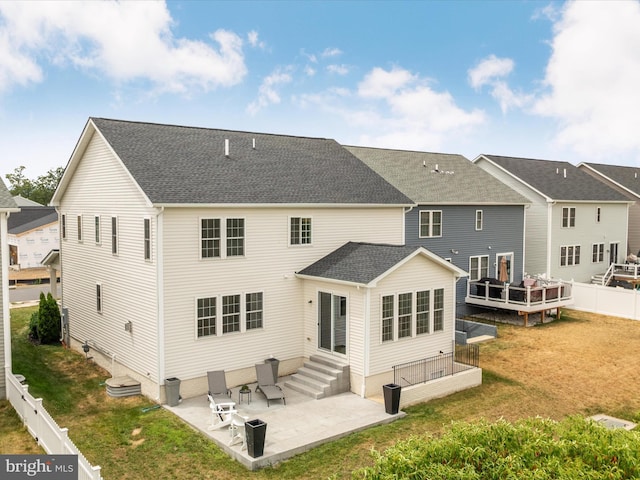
x=243 y=393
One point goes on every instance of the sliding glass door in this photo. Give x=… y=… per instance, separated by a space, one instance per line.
x=332 y=322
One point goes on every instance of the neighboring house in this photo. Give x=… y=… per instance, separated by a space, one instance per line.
x=33 y=233
x=188 y=249
x=576 y=225
x=463 y=214
x=7 y=206
x=625 y=180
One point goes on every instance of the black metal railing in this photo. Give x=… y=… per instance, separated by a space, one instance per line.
x=464 y=357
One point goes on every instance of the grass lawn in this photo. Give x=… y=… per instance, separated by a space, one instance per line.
x=578 y=365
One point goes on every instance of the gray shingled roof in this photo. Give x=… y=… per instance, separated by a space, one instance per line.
x=6 y=200
x=31 y=217
x=358 y=262
x=548 y=177
x=187 y=165
x=456 y=181
x=628 y=177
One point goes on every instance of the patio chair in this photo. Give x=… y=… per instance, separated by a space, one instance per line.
x=221 y=413
x=237 y=430
x=218 y=385
x=266 y=384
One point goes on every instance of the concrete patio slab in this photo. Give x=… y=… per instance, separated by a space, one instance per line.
x=301 y=424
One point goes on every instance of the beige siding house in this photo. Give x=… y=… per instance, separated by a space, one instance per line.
x=576 y=226
x=185 y=250
x=7 y=206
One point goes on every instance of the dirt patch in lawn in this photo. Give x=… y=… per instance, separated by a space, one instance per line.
x=582 y=363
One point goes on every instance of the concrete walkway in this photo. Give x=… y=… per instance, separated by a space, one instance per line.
x=301 y=424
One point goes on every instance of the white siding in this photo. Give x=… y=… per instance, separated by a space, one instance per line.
x=268 y=266
x=101 y=186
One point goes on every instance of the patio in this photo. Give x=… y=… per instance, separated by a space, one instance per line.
x=298 y=426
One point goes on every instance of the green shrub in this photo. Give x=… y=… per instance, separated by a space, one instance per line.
x=529 y=449
x=49 y=329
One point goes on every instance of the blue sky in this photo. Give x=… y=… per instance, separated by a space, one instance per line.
x=538 y=79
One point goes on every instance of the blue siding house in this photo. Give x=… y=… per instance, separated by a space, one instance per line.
x=463 y=214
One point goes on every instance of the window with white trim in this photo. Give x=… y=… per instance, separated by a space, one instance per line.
x=114 y=235
x=206 y=316
x=405 y=317
x=146 y=227
x=568 y=217
x=300 y=231
x=569 y=255
x=253 y=310
x=598 y=214
x=430 y=223
x=211 y=237
x=597 y=253
x=96 y=226
x=388 y=312
x=479 y=215
x=79 y=228
x=63 y=226
x=99 y=297
x=212 y=321
x=478 y=267
x=438 y=310
x=421 y=312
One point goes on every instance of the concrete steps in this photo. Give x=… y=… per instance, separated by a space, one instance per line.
x=320 y=377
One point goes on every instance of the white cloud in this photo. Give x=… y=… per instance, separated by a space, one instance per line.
x=124 y=41
x=309 y=71
x=593 y=77
x=331 y=52
x=268 y=93
x=338 y=69
x=252 y=38
x=380 y=83
x=491 y=72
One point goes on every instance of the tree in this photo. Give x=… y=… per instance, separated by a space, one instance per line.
x=40 y=190
x=49 y=330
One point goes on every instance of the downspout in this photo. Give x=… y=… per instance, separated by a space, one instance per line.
x=366 y=346
x=524 y=240
x=549 y=225
x=4 y=252
x=160 y=297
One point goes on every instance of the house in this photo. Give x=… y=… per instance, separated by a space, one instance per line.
x=575 y=227
x=187 y=249
x=626 y=181
x=7 y=207
x=463 y=214
x=33 y=233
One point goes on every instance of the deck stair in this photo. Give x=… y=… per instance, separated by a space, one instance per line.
x=597 y=279
x=320 y=377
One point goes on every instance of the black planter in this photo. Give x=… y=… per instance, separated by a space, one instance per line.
x=256 y=431
x=391 y=398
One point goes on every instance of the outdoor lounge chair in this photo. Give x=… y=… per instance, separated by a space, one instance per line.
x=221 y=413
x=218 y=385
x=266 y=384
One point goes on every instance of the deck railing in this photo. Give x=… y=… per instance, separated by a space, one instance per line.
x=545 y=294
x=464 y=357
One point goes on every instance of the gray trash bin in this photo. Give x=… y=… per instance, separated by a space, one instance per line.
x=274 y=367
x=172 y=389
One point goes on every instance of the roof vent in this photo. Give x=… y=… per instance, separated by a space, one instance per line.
x=254 y=144
x=226 y=147
x=564 y=172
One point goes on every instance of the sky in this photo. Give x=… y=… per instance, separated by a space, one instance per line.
x=537 y=79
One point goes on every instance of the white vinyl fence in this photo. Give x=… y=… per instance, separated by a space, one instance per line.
x=617 y=302
x=53 y=439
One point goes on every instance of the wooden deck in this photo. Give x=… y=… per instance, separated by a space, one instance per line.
x=538 y=298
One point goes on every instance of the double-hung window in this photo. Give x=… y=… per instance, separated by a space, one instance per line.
x=422 y=312
x=114 y=235
x=99 y=297
x=405 y=317
x=300 y=231
x=598 y=214
x=388 y=312
x=568 y=217
x=569 y=255
x=63 y=221
x=478 y=267
x=79 y=228
x=96 y=225
x=479 y=219
x=438 y=310
x=146 y=228
x=212 y=240
x=430 y=223
x=206 y=316
x=230 y=313
x=597 y=255
x=253 y=310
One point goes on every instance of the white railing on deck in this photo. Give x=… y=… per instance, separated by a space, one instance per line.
x=53 y=439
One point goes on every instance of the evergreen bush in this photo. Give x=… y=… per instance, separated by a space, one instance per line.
x=49 y=329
